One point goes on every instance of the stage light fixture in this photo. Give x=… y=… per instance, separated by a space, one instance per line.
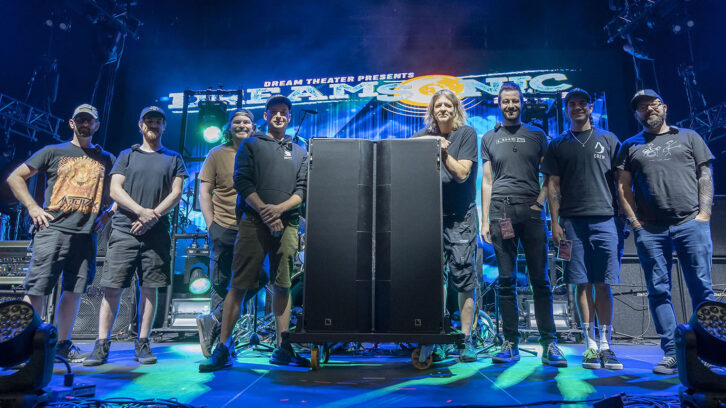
x=700 y=345
x=212 y=117
x=196 y=270
x=24 y=338
x=199 y=282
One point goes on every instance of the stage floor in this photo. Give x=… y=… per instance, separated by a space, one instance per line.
x=383 y=380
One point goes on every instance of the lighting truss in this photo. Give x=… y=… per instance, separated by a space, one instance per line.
x=25 y=120
x=709 y=123
x=639 y=13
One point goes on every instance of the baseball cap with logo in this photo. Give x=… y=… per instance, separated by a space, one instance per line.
x=87 y=109
x=279 y=98
x=152 y=110
x=643 y=93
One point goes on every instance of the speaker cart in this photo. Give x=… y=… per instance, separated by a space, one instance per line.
x=374 y=250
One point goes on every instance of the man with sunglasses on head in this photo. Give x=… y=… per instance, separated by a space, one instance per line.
x=666 y=192
x=76 y=207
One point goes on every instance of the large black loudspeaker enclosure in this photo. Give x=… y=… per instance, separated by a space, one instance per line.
x=339 y=223
x=409 y=254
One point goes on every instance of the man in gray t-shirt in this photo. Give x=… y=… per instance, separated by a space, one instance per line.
x=666 y=191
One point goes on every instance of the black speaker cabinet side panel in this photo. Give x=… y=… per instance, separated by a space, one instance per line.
x=412 y=256
x=339 y=236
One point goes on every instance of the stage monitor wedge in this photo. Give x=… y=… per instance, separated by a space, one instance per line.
x=339 y=223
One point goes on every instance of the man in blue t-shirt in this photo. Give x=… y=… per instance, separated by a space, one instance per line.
x=146 y=183
x=76 y=200
x=666 y=192
x=580 y=165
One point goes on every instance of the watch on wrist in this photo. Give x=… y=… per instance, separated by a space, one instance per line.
x=540 y=205
x=632 y=220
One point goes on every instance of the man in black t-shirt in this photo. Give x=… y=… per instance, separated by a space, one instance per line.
x=666 y=191
x=146 y=183
x=580 y=165
x=76 y=200
x=445 y=118
x=512 y=206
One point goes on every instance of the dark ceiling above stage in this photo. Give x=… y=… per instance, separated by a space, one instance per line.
x=266 y=40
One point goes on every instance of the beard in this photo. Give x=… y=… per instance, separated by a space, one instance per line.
x=654 y=121
x=512 y=114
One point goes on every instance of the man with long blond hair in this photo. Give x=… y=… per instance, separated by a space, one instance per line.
x=445 y=119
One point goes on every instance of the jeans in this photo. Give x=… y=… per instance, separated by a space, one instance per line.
x=655 y=244
x=529 y=230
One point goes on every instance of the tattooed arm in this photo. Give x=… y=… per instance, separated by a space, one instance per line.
x=555 y=196
x=705 y=192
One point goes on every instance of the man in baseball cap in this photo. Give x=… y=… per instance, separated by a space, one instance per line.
x=276 y=100
x=643 y=95
x=666 y=192
x=65 y=225
x=86 y=109
x=152 y=111
x=146 y=182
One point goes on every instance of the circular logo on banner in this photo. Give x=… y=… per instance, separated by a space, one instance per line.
x=423 y=87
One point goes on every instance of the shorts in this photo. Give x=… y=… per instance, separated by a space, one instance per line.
x=460 y=237
x=56 y=252
x=254 y=243
x=148 y=256
x=597 y=249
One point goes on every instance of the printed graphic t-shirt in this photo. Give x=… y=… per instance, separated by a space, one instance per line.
x=77 y=182
x=664 y=173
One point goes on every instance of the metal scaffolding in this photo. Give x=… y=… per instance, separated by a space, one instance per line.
x=19 y=118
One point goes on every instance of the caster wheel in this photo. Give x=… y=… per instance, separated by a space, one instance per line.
x=415 y=354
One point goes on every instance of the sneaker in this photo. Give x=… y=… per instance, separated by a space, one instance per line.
x=439 y=354
x=99 y=355
x=507 y=354
x=208 y=329
x=69 y=351
x=285 y=355
x=591 y=359
x=553 y=356
x=668 y=365
x=609 y=361
x=219 y=360
x=468 y=353
x=142 y=352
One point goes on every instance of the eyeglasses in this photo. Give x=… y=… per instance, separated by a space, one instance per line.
x=653 y=105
